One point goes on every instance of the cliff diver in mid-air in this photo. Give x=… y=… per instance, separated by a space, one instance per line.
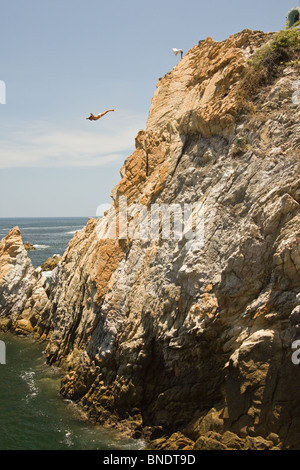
x=98 y=116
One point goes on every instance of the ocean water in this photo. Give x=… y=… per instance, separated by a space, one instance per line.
x=33 y=415
x=49 y=235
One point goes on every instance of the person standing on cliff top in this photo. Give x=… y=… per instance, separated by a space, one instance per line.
x=178 y=51
x=92 y=117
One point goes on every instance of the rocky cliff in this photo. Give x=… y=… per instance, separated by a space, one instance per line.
x=191 y=340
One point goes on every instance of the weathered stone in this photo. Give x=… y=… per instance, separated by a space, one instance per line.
x=176 y=441
x=22 y=288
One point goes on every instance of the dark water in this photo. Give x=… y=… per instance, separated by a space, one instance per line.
x=50 y=236
x=34 y=416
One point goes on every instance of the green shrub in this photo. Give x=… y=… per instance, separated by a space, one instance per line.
x=266 y=65
x=289 y=38
x=285 y=47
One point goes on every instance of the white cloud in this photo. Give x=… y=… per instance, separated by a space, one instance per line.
x=69 y=143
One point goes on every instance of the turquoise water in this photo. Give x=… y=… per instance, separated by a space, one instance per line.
x=34 y=416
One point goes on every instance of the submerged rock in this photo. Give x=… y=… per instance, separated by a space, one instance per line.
x=29 y=247
x=51 y=263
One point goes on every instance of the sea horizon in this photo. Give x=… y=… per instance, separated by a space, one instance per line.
x=48 y=235
x=50 y=217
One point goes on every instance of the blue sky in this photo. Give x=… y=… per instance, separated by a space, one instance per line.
x=62 y=59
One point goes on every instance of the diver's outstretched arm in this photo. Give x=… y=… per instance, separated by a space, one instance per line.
x=102 y=114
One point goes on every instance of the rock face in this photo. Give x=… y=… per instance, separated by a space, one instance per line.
x=22 y=288
x=192 y=338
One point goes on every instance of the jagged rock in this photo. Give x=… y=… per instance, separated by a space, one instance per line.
x=172 y=331
x=22 y=288
x=176 y=441
x=51 y=263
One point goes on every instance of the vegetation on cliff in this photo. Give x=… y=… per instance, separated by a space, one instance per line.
x=267 y=64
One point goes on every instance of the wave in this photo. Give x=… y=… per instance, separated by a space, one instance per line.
x=29 y=379
x=41 y=247
x=47 y=274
